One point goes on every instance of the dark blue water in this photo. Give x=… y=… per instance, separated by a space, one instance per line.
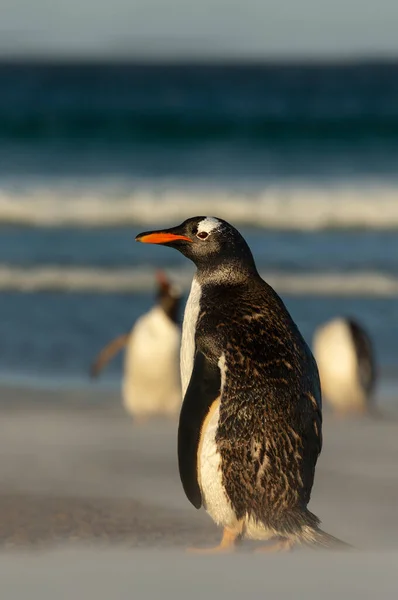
x=326 y=251
x=302 y=158
x=268 y=104
x=280 y=117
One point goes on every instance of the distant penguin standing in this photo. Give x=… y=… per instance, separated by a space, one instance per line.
x=151 y=380
x=250 y=424
x=346 y=364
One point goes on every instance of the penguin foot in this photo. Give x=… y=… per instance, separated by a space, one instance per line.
x=141 y=420
x=350 y=413
x=227 y=544
x=283 y=545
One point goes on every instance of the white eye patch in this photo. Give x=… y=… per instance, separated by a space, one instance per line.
x=208 y=225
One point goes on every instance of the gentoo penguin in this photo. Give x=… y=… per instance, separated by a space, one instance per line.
x=250 y=424
x=151 y=382
x=346 y=364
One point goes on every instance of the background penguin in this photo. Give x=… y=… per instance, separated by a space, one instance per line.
x=250 y=424
x=151 y=380
x=346 y=364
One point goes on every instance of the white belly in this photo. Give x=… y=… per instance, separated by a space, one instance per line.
x=338 y=365
x=188 y=335
x=151 y=379
x=215 y=500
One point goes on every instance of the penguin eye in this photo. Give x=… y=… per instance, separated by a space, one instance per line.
x=202 y=235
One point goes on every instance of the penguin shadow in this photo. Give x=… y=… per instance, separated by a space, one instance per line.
x=375 y=413
x=372 y=413
x=275 y=545
x=157 y=419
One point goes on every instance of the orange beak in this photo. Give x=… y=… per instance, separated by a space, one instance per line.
x=160 y=237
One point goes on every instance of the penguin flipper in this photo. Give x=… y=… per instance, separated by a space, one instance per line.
x=107 y=353
x=365 y=354
x=203 y=389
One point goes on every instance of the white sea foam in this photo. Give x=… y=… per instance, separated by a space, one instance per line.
x=278 y=207
x=136 y=280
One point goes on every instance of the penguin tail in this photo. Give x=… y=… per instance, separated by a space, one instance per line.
x=312 y=535
x=317 y=538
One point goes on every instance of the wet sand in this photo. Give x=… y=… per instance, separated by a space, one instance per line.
x=84 y=490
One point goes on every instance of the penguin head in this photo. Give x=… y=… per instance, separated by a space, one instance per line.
x=168 y=296
x=208 y=241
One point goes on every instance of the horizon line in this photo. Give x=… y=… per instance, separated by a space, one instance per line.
x=282 y=60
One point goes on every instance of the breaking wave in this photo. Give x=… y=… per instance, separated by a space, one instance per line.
x=138 y=280
x=285 y=208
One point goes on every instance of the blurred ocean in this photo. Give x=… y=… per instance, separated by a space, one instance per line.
x=302 y=158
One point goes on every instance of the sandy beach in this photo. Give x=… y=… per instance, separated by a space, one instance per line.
x=91 y=502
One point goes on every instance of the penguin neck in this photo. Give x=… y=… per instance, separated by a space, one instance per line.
x=170 y=307
x=232 y=271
